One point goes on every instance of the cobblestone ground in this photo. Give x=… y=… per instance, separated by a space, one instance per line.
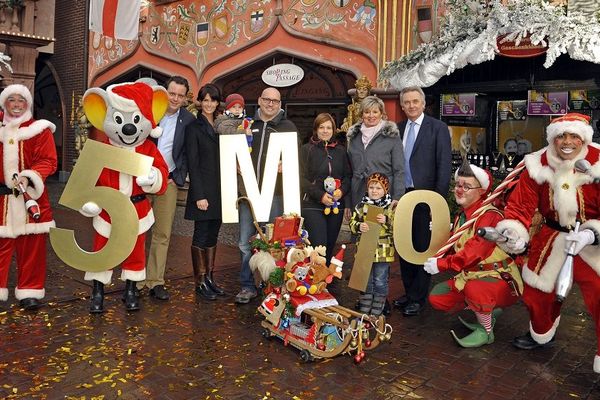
x=191 y=349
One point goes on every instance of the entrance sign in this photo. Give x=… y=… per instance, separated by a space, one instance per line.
x=282 y=75
x=234 y=150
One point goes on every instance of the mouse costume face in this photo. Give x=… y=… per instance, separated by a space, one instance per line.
x=128 y=112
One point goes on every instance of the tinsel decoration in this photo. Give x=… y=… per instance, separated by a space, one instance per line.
x=469 y=31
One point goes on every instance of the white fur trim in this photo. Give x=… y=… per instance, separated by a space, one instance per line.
x=156 y=132
x=16 y=221
x=119 y=102
x=517 y=227
x=591 y=254
x=580 y=128
x=597 y=364
x=314 y=303
x=546 y=279
x=544 y=338
x=37 y=188
x=19 y=89
x=102 y=276
x=103 y=227
x=155 y=188
x=21 y=294
x=3 y=294
x=136 y=276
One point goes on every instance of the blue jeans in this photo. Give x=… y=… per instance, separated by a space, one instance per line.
x=247 y=231
x=378 y=279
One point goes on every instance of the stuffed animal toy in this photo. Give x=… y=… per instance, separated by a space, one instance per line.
x=127 y=113
x=263 y=264
x=299 y=281
x=332 y=186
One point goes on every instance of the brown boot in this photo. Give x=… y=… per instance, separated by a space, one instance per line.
x=200 y=265
x=210 y=260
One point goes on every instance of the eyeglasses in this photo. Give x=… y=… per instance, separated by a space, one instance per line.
x=270 y=101
x=176 y=95
x=465 y=188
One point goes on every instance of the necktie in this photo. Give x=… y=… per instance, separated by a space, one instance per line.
x=410 y=143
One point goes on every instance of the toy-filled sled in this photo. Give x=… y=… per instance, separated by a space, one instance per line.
x=298 y=308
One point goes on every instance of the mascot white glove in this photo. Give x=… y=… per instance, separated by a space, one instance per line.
x=90 y=209
x=580 y=240
x=430 y=266
x=514 y=244
x=148 y=180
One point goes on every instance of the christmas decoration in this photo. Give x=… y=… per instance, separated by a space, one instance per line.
x=470 y=31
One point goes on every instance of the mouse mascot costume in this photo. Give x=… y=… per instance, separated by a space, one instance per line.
x=28 y=158
x=127 y=113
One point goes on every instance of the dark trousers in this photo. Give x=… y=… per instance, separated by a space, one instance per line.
x=416 y=281
x=206 y=233
x=323 y=229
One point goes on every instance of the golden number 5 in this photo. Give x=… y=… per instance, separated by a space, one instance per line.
x=81 y=188
x=440 y=227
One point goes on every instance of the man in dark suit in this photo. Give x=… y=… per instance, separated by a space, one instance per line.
x=428 y=166
x=171 y=146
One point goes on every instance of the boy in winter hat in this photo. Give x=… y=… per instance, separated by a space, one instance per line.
x=233 y=120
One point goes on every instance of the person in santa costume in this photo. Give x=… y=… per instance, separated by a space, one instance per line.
x=559 y=182
x=126 y=128
x=28 y=158
x=488 y=278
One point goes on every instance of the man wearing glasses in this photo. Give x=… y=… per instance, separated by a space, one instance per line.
x=488 y=277
x=269 y=118
x=170 y=145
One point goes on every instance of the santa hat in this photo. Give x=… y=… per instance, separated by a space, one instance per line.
x=379 y=178
x=234 y=99
x=338 y=259
x=483 y=176
x=22 y=91
x=574 y=123
x=130 y=97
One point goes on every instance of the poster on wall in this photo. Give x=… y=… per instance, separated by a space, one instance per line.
x=455 y=104
x=512 y=110
x=584 y=100
x=468 y=139
x=547 y=103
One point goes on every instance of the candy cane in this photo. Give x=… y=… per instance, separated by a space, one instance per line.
x=491 y=197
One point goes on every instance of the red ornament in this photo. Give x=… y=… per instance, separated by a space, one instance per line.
x=357 y=359
x=362 y=355
x=367 y=343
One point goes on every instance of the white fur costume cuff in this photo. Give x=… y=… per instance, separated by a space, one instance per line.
x=544 y=337
x=597 y=364
x=3 y=294
x=21 y=294
x=136 y=276
x=36 y=188
x=516 y=226
x=591 y=254
x=102 y=276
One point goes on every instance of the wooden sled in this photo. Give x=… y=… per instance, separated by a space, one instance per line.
x=330 y=331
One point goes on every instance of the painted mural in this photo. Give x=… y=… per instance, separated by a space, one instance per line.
x=198 y=33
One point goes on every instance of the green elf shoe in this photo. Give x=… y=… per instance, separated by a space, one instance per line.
x=472 y=326
x=477 y=338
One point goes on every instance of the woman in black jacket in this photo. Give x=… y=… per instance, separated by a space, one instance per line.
x=320 y=158
x=204 y=196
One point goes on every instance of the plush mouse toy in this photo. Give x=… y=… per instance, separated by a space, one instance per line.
x=332 y=186
x=127 y=113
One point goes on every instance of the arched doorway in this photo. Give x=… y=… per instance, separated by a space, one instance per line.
x=323 y=89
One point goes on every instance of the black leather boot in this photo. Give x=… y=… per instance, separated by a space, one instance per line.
x=132 y=302
x=97 y=298
x=210 y=264
x=199 y=263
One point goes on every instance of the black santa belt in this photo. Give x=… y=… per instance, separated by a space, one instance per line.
x=556 y=226
x=137 y=198
x=5 y=190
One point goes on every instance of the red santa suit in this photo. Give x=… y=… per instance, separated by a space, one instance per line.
x=562 y=195
x=133 y=267
x=480 y=262
x=27 y=149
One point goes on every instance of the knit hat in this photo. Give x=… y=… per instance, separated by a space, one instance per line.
x=380 y=178
x=130 y=97
x=234 y=99
x=575 y=123
x=483 y=176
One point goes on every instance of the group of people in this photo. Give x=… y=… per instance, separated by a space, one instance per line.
x=380 y=162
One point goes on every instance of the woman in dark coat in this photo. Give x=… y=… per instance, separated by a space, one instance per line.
x=204 y=195
x=320 y=158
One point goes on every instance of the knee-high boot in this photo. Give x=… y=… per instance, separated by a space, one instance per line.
x=97 y=298
x=210 y=261
x=200 y=265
